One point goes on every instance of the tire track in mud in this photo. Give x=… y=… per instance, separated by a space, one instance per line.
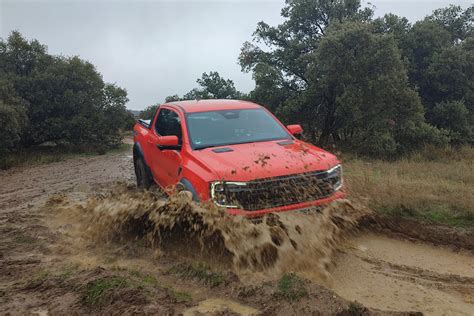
x=23 y=186
x=398 y=275
x=25 y=243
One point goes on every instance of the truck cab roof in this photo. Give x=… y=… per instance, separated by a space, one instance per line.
x=192 y=106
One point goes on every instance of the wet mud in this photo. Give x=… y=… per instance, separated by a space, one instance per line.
x=400 y=275
x=75 y=241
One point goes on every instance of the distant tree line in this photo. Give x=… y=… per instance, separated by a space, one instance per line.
x=56 y=99
x=211 y=86
x=374 y=86
x=377 y=86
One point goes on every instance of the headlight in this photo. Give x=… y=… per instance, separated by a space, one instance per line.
x=220 y=193
x=335 y=174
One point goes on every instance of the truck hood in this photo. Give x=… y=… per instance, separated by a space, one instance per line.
x=246 y=162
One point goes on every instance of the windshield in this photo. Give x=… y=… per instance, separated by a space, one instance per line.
x=219 y=128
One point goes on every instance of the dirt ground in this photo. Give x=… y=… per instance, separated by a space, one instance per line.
x=45 y=267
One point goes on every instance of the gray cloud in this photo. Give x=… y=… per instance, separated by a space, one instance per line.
x=158 y=48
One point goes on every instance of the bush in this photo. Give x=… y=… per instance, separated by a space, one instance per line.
x=64 y=100
x=454 y=117
x=12 y=125
x=12 y=116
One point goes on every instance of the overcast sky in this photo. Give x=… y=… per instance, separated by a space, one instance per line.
x=159 y=48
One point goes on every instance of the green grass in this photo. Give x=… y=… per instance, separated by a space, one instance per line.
x=60 y=275
x=180 y=296
x=37 y=279
x=199 y=271
x=356 y=308
x=68 y=271
x=46 y=154
x=291 y=287
x=434 y=185
x=146 y=281
x=25 y=239
x=99 y=290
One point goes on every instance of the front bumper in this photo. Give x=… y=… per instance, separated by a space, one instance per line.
x=340 y=194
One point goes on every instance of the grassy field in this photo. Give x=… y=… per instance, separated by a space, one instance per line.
x=435 y=185
x=45 y=154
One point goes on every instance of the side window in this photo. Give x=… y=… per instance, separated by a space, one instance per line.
x=168 y=123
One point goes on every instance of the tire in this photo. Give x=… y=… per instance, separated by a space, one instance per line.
x=186 y=185
x=143 y=178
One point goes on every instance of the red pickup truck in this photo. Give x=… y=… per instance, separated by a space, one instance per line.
x=235 y=154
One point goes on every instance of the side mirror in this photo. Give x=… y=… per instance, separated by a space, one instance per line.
x=170 y=142
x=295 y=129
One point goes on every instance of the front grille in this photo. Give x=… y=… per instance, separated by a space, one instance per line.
x=281 y=191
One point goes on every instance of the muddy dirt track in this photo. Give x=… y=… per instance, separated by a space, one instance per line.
x=47 y=268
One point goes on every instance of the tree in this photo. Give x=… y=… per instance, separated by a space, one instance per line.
x=456 y=21
x=271 y=87
x=424 y=40
x=360 y=83
x=172 y=98
x=440 y=51
x=281 y=56
x=291 y=43
x=130 y=120
x=393 y=24
x=454 y=117
x=20 y=57
x=450 y=77
x=149 y=112
x=115 y=113
x=64 y=99
x=213 y=86
x=332 y=68
x=12 y=116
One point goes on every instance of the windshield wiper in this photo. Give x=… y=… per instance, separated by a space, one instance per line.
x=238 y=143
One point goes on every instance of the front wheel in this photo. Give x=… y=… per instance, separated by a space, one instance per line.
x=143 y=179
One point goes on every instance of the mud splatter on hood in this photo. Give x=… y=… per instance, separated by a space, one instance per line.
x=245 y=162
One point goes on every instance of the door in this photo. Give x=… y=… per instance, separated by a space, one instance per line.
x=166 y=162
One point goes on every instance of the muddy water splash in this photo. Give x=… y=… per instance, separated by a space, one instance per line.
x=278 y=243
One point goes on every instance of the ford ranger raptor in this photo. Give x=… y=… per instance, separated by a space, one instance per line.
x=234 y=154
